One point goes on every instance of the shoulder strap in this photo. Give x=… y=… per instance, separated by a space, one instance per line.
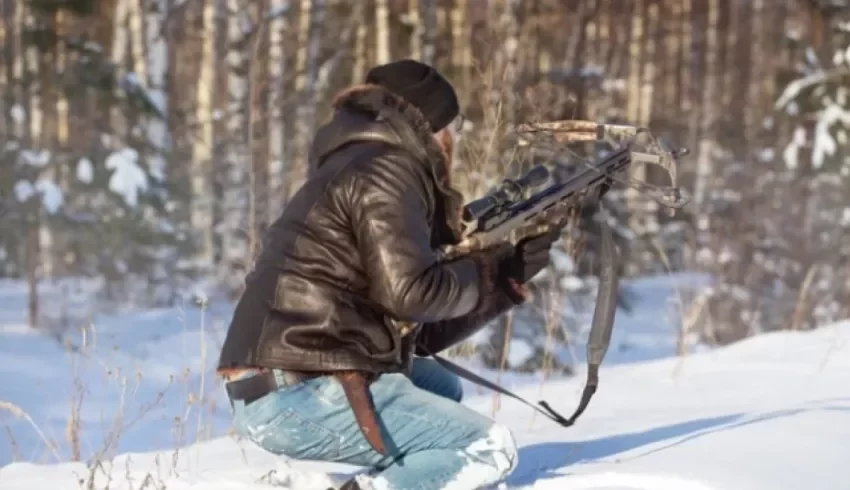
x=599 y=339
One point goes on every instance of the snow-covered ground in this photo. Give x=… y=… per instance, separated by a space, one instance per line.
x=771 y=412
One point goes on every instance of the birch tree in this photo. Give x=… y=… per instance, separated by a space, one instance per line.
x=382 y=32
x=461 y=44
x=414 y=20
x=31 y=190
x=307 y=64
x=242 y=85
x=202 y=148
x=296 y=169
x=361 y=48
x=709 y=103
x=428 y=29
x=236 y=194
x=155 y=64
x=277 y=61
x=634 y=111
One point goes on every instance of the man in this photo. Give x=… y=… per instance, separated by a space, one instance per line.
x=315 y=365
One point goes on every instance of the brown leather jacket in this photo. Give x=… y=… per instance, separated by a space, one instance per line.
x=354 y=248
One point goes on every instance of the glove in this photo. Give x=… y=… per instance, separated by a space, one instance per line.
x=531 y=255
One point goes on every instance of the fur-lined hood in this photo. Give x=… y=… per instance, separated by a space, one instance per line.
x=373 y=113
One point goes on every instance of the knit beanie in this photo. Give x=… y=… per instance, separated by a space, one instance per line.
x=420 y=85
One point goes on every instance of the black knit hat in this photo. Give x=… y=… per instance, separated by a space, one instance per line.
x=422 y=86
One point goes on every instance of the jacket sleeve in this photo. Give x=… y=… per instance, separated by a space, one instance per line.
x=435 y=337
x=389 y=214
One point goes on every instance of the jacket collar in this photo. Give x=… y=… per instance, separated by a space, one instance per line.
x=373 y=113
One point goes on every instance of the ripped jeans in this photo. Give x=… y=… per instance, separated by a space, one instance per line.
x=435 y=442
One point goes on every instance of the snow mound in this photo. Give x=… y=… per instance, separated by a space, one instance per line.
x=771 y=412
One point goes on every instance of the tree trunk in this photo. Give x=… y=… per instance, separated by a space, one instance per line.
x=428 y=14
x=741 y=108
x=62 y=119
x=696 y=70
x=137 y=39
x=680 y=61
x=157 y=61
x=415 y=21
x=297 y=168
x=277 y=60
x=202 y=149
x=382 y=31
x=237 y=192
x=710 y=103
x=37 y=264
x=120 y=43
x=634 y=112
x=361 y=53
x=257 y=115
x=313 y=63
x=461 y=42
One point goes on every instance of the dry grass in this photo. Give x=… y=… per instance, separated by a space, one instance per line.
x=485 y=159
x=688 y=319
x=802 y=306
x=503 y=358
x=20 y=413
x=130 y=410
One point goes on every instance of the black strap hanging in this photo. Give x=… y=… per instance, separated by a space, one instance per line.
x=599 y=339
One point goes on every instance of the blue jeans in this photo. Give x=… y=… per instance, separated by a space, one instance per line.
x=434 y=441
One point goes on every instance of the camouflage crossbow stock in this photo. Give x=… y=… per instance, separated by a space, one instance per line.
x=509 y=213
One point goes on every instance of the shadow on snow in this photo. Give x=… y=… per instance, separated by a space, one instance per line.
x=543 y=461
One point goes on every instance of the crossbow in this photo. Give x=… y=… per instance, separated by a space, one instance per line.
x=536 y=203
x=526 y=206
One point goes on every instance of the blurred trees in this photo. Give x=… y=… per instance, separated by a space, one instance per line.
x=151 y=141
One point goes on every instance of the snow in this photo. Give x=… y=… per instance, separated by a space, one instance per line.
x=278 y=11
x=791 y=154
x=51 y=195
x=770 y=412
x=520 y=350
x=796 y=87
x=36 y=159
x=824 y=143
x=128 y=179
x=832 y=116
x=23 y=190
x=85 y=170
x=18 y=113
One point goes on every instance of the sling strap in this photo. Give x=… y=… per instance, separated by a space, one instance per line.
x=599 y=339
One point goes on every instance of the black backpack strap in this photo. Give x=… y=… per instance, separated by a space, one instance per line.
x=597 y=344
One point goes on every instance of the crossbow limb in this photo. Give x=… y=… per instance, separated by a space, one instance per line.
x=645 y=148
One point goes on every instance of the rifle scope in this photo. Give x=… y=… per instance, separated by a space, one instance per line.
x=509 y=191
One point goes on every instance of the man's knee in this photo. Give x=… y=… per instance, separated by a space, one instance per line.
x=451 y=386
x=455 y=388
x=430 y=376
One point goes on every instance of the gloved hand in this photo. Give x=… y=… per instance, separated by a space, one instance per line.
x=531 y=255
x=507 y=268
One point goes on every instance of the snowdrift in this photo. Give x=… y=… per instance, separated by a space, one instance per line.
x=771 y=412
